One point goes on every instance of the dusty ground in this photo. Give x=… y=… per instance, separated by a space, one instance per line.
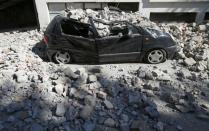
x=37 y=95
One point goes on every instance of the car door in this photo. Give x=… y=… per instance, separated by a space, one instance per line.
x=82 y=49
x=119 y=48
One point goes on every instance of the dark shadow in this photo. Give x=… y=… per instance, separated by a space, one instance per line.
x=40 y=50
x=26 y=104
x=17 y=14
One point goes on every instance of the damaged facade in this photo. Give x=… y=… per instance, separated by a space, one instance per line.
x=193 y=10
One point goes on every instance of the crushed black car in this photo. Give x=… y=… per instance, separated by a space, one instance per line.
x=70 y=41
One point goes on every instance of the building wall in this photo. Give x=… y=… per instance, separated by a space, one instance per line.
x=198 y=6
x=47 y=9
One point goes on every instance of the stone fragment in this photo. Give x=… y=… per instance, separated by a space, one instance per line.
x=108 y=104
x=101 y=94
x=68 y=72
x=160 y=126
x=20 y=76
x=86 y=112
x=72 y=91
x=134 y=98
x=109 y=122
x=203 y=117
x=36 y=127
x=139 y=125
x=124 y=127
x=189 y=61
x=105 y=128
x=59 y=89
x=60 y=110
x=92 y=78
x=179 y=128
x=90 y=100
x=152 y=112
x=22 y=115
x=202 y=28
x=89 y=126
x=81 y=80
x=152 y=85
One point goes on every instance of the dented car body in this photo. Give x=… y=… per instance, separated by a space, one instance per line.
x=70 y=41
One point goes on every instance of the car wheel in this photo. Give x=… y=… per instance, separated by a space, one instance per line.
x=156 y=56
x=63 y=57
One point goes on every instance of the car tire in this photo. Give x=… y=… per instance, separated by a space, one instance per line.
x=62 y=57
x=155 y=56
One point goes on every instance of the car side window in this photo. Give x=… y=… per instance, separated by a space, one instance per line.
x=75 y=28
x=133 y=29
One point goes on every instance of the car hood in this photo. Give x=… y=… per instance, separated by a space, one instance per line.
x=156 y=33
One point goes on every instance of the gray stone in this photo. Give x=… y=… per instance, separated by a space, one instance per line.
x=22 y=115
x=124 y=127
x=60 y=110
x=179 y=128
x=72 y=91
x=182 y=108
x=101 y=94
x=141 y=74
x=45 y=114
x=160 y=126
x=134 y=98
x=89 y=126
x=124 y=118
x=203 y=117
x=184 y=74
x=108 y=104
x=202 y=28
x=86 y=112
x=152 y=85
x=149 y=75
x=36 y=127
x=59 y=89
x=152 y=112
x=139 y=125
x=189 y=61
x=92 y=78
x=104 y=128
x=201 y=66
x=71 y=113
x=109 y=122
x=113 y=89
x=81 y=80
x=68 y=72
x=21 y=76
x=90 y=100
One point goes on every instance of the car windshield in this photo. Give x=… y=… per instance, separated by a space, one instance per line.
x=116 y=28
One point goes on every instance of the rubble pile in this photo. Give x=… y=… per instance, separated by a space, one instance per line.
x=108 y=16
x=36 y=95
x=193 y=38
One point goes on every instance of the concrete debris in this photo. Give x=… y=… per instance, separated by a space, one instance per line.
x=107 y=16
x=109 y=122
x=60 y=110
x=189 y=61
x=86 y=112
x=37 y=95
x=92 y=78
x=108 y=104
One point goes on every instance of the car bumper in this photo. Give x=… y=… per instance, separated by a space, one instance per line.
x=172 y=50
